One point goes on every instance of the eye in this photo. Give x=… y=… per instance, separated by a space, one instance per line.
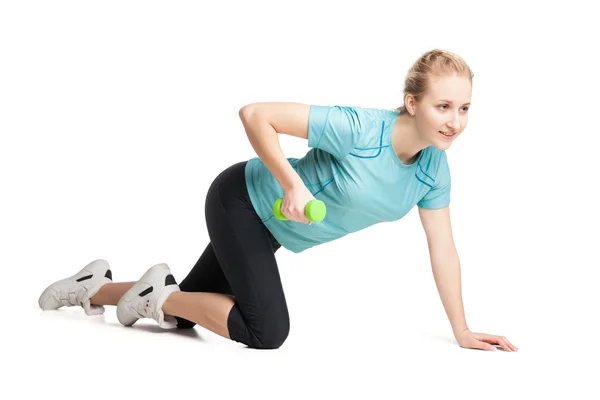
x=446 y=105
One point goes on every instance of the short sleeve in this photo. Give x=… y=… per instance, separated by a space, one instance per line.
x=333 y=129
x=438 y=195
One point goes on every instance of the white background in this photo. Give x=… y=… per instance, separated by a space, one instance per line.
x=116 y=116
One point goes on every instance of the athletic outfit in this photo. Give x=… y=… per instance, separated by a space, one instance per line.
x=352 y=167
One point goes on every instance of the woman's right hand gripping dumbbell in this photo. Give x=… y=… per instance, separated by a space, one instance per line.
x=294 y=203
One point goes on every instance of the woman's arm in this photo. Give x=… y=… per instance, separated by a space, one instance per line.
x=446 y=271
x=445 y=264
x=263 y=122
x=264 y=139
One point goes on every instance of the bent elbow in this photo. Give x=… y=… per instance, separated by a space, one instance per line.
x=246 y=111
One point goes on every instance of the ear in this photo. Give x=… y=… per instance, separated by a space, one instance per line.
x=409 y=103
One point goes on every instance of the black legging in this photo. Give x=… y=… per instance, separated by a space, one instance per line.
x=240 y=261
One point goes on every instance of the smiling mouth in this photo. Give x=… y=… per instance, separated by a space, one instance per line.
x=447 y=134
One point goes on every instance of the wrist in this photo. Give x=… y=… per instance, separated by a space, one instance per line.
x=291 y=180
x=459 y=332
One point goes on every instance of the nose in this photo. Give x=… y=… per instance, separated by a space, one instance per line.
x=454 y=124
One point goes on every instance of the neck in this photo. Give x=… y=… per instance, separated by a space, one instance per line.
x=406 y=140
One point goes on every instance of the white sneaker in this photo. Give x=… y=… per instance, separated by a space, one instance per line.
x=146 y=298
x=77 y=290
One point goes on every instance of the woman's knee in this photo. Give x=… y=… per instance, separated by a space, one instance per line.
x=273 y=334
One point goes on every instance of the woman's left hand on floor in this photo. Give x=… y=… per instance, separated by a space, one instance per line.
x=483 y=341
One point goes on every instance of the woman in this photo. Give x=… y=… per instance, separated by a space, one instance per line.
x=367 y=165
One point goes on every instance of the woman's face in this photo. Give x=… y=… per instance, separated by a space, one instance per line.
x=444 y=108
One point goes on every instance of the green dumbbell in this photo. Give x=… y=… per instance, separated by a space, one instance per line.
x=315 y=210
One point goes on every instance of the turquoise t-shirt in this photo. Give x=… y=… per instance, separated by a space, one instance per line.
x=353 y=168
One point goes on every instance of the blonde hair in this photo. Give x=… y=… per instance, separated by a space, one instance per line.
x=435 y=63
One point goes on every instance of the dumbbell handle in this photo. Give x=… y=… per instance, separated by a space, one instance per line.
x=315 y=210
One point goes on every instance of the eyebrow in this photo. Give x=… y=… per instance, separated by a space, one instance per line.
x=448 y=101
